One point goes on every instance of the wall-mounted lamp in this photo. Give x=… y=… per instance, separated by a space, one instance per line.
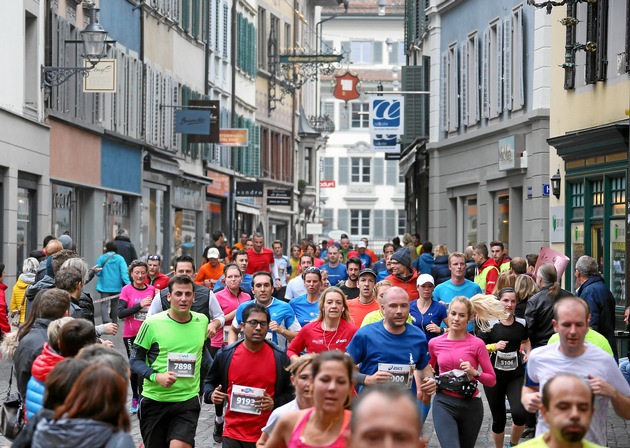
x=94 y=42
x=381 y=7
x=556 y=182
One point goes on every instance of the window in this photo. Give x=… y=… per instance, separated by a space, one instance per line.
x=449 y=92
x=492 y=71
x=577 y=200
x=217 y=30
x=262 y=38
x=618 y=195
x=515 y=65
x=362 y=52
x=360 y=170
x=359 y=222
x=470 y=81
x=402 y=221
x=470 y=210
x=396 y=51
x=328 y=168
x=502 y=216
x=274 y=41
x=360 y=118
x=225 y=31
x=327 y=220
x=288 y=37
x=597 y=189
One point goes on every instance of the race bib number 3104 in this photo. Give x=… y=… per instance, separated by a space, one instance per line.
x=244 y=399
x=402 y=374
x=182 y=364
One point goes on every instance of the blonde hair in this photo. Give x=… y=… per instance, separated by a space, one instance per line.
x=345 y=313
x=440 y=250
x=300 y=364
x=525 y=287
x=380 y=285
x=54 y=328
x=507 y=279
x=484 y=307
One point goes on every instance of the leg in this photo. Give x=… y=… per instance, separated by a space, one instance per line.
x=519 y=415
x=182 y=425
x=469 y=421
x=444 y=411
x=153 y=424
x=113 y=310
x=496 y=403
x=105 y=308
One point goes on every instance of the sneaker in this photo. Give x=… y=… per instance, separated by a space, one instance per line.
x=217 y=432
x=134 y=406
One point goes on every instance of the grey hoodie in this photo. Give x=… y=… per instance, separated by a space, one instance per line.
x=79 y=433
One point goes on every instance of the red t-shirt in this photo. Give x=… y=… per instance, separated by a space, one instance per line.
x=358 y=310
x=253 y=369
x=259 y=261
x=315 y=340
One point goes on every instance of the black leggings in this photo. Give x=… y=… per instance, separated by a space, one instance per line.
x=457 y=421
x=508 y=384
x=136 y=382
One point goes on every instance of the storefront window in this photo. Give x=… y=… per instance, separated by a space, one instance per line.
x=597 y=187
x=63 y=202
x=618 y=260
x=116 y=215
x=577 y=200
x=470 y=206
x=24 y=225
x=153 y=220
x=213 y=221
x=577 y=248
x=184 y=233
x=502 y=214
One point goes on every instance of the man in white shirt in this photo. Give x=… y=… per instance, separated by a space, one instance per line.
x=295 y=287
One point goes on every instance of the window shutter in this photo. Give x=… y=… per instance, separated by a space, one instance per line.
x=378 y=52
x=507 y=66
x=518 y=100
x=392 y=54
x=377 y=171
x=378 y=224
x=327 y=217
x=343 y=171
x=391 y=227
x=475 y=83
x=444 y=93
x=485 y=75
x=344 y=116
x=499 y=73
x=391 y=167
x=464 y=83
x=454 y=92
x=329 y=168
x=343 y=221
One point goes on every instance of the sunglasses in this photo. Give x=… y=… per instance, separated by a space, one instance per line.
x=154 y=258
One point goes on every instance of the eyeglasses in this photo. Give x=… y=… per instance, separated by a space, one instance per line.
x=154 y=258
x=254 y=323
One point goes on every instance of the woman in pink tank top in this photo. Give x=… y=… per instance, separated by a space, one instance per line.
x=324 y=425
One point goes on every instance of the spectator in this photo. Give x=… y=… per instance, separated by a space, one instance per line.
x=18 y=296
x=124 y=246
x=440 y=270
x=112 y=277
x=424 y=263
x=5 y=328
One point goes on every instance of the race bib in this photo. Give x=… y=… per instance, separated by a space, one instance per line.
x=402 y=374
x=506 y=361
x=243 y=399
x=182 y=364
x=142 y=314
x=269 y=336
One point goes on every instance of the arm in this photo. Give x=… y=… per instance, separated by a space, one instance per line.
x=281 y=434
x=526 y=346
x=156 y=305
x=138 y=364
x=124 y=271
x=530 y=397
x=124 y=311
x=233 y=333
x=297 y=345
x=620 y=402
x=215 y=311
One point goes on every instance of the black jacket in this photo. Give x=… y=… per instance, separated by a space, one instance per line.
x=29 y=348
x=601 y=304
x=126 y=249
x=539 y=314
x=218 y=374
x=440 y=270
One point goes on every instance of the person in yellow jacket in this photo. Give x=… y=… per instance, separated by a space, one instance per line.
x=26 y=278
x=497 y=249
x=487 y=268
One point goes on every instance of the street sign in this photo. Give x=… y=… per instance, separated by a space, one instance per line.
x=249 y=189
x=327 y=184
x=546 y=190
x=233 y=137
x=214 y=107
x=309 y=58
x=279 y=196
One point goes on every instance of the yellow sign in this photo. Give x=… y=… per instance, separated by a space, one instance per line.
x=233 y=137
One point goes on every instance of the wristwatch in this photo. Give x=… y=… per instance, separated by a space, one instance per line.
x=478 y=374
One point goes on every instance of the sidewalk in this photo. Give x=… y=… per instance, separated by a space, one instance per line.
x=618 y=429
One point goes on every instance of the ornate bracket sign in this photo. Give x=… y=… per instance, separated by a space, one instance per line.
x=347 y=87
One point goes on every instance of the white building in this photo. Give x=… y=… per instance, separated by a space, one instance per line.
x=367 y=199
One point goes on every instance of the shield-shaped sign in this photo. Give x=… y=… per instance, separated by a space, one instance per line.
x=346 y=87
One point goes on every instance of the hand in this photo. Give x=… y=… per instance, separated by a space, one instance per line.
x=265 y=403
x=107 y=343
x=468 y=368
x=212 y=331
x=501 y=345
x=278 y=284
x=433 y=328
x=273 y=326
x=601 y=387
x=146 y=302
x=428 y=386
x=626 y=315
x=217 y=396
x=166 y=379
x=378 y=377
x=531 y=401
x=207 y=283
x=110 y=328
x=96 y=268
x=525 y=357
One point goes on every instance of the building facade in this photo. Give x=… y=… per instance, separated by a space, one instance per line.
x=489 y=121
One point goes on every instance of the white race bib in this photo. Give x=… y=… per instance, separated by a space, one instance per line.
x=402 y=374
x=506 y=361
x=244 y=399
x=182 y=364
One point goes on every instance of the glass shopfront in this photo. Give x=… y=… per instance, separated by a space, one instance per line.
x=154 y=220
x=64 y=216
x=116 y=215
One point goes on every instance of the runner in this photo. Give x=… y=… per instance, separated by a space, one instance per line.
x=306 y=306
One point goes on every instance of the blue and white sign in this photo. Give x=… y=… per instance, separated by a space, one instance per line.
x=386 y=115
x=546 y=190
x=192 y=121
x=385 y=143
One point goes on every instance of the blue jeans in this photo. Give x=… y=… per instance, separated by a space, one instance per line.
x=624 y=366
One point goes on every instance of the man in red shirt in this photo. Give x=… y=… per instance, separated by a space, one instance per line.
x=260 y=258
x=250 y=393
x=155 y=277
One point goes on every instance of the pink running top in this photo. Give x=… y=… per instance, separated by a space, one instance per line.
x=296 y=437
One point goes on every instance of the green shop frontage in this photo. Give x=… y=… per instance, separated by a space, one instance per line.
x=596 y=207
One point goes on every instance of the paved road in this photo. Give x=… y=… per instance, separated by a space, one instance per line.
x=618 y=429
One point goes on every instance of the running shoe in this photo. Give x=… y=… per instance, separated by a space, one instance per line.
x=134 y=406
x=217 y=432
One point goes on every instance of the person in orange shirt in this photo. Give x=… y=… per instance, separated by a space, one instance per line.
x=242 y=242
x=211 y=271
x=366 y=302
x=370 y=252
